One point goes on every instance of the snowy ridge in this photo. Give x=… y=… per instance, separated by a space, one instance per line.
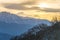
x=9 y=18
x=16 y=25
x=12 y=18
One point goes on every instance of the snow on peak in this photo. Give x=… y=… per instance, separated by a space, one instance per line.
x=9 y=18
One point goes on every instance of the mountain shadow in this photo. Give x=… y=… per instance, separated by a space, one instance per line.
x=41 y=32
x=4 y=36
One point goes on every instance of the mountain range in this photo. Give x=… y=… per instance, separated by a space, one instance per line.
x=15 y=25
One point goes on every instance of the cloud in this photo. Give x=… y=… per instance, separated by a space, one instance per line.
x=31 y=2
x=20 y=6
x=50 y=10
x=13 y=1
x=27 y=3
x=15 y=6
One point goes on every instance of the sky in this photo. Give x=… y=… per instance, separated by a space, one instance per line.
x=42 y=3
x=30 y=8
x=31 y=4
x=14 y=1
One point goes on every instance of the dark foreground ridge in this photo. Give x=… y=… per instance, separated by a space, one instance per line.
x=41 y=32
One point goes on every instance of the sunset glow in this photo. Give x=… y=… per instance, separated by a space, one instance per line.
x=43 y=5
x=12 y=1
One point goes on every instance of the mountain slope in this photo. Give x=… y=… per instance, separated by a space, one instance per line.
x=5 y=36
x=16 y=25
x=41 y=32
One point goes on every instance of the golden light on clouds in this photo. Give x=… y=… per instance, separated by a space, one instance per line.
x=13 y=1
x=55 y=4
x=43 y=5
